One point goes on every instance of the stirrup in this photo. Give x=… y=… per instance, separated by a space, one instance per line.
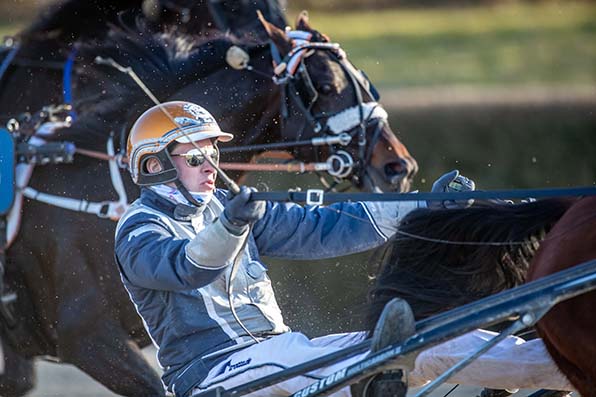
x=395 y=325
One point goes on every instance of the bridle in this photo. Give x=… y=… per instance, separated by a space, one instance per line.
x=292 y=75
x=335 y=130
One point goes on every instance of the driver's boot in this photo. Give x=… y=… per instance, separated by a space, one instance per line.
x=395 y=325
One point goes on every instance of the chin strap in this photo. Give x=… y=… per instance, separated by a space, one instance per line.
x=187 y=194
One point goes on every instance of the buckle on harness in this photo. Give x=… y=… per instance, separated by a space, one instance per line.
x=104 y=210
x=314 y=196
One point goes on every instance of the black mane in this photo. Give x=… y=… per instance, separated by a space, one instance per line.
x=107 y=99
x=69 y=20
x=162 y=53
x=434 y=277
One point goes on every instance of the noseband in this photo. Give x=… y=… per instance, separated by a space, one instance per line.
x=293 y=77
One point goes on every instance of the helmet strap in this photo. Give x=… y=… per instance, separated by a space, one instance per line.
x=187 y=194
x=167 y=174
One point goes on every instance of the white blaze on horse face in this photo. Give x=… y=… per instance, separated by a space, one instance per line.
x=196 y=179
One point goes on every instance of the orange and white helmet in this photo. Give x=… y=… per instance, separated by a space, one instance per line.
x=154 y=131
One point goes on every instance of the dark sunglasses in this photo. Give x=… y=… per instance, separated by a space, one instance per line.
x=194 y=158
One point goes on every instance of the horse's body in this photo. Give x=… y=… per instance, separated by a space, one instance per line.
x=71 y=304
x=569 y=329
x=546 y=236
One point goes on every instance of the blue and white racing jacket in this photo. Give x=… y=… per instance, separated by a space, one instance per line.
x=176 y=267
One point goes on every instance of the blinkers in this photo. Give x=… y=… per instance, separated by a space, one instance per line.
x=297 y=86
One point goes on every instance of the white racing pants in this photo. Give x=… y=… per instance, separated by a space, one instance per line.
x=513 y=363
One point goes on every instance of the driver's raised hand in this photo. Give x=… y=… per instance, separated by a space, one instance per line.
x=239 y=211
x=452 y=182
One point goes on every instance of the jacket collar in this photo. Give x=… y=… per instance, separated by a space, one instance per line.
x=155 y=201
x=180 y=212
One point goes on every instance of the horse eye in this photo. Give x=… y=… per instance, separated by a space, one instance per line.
x=326 y=89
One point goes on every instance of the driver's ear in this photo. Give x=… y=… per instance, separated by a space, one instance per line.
x=153 y=165
x=277 y=35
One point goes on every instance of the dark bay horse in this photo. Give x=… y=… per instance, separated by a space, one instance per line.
x=71 y=304
x=36 y=78
x=529 y=241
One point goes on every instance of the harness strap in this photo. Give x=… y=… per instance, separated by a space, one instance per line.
x=305 y=112
x=275 y=52
x=291 y=69
x=14 y=48
x=104 y=209
x=67 y=80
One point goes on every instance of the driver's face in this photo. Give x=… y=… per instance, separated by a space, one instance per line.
x=195 y=177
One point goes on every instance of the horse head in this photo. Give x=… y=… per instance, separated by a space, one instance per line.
x=324 y=95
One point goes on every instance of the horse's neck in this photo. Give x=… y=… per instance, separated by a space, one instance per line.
x=260 y=114
x=263 y=127
x=249 y=107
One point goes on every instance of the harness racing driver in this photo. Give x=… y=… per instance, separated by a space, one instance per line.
x=189 y=256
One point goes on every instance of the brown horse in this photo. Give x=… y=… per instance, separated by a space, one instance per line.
x=569 y=329
x=488 y=248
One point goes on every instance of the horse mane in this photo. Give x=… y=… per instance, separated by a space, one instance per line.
x=434 y=276
x=106 y=98
x=72 y=19
x=166 y=58
x=69 y=20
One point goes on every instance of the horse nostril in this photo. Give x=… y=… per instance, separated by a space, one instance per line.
x=396 y=168
x=326 y=89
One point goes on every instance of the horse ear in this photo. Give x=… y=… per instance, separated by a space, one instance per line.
x=302 y=22
x=277 y=35
x=151 y=10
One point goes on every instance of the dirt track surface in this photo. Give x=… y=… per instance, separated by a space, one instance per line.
x=59 y=380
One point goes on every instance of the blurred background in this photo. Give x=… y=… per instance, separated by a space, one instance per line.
x=504 y=91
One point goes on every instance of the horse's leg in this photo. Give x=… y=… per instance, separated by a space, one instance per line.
x=585 y=386
x=18 y=375
x=88 y=333
x=109 y=356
